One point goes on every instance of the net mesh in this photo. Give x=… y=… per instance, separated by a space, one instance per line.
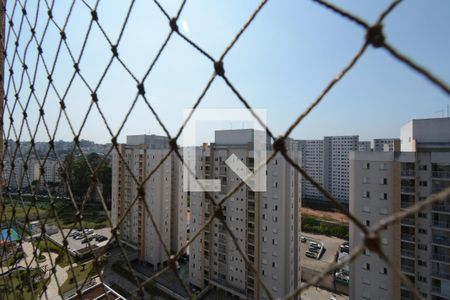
x=35 y=44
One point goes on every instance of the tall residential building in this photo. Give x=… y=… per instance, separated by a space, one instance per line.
x=162 y=193
x=383 y=183
x=383 y=145
x=312 y=154
x=266 y=224
x=337 y=149
x=364 y=146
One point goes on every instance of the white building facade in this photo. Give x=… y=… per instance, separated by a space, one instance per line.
x=385 y=183
x=265 y=224
x=161 y=192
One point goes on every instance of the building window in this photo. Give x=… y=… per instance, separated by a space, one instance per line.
x=422 y=215
x=422 y=247
x=366 y=194
x=383 y=196
x=383 y=181
x=383 y=271
x=366 y=165
x=423 y=183
x=366 y=266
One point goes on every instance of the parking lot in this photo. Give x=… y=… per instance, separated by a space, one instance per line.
x=330 y=247
x=311 y=266
x=76 y=246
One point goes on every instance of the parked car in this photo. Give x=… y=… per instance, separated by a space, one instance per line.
x=101 y=238
x=311 y=254
x=314 y=250
x=73 y=233
x=78 y=236
x=303 y=239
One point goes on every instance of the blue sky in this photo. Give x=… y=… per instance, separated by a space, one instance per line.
x=281 y=63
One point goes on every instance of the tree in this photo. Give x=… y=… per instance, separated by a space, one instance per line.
x=77 y=175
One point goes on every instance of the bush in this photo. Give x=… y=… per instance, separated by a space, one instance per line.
x=310 y=224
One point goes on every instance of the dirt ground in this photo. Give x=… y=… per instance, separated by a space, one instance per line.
x=326 y=215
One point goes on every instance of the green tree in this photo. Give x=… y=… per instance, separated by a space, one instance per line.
x=78 y=176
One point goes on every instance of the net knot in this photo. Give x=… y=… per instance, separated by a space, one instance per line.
x=372 y=242
x=374 y=36
x=218 y=68
x=173 y=24
x=280 y=145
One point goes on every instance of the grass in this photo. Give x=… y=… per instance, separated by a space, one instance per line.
x=18 y=285
x=93 y=214
x=82 y=272
x=319 y=226
x=62 y=259
x=12 y=260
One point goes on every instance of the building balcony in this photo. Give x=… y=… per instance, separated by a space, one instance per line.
x=441 y=240
x=441 y=257
x=406 y=204
x=440 y=274
x=408 y=237
x=441 y=207
x=407 y=189
x=441 y=174
x=441 y=224
x=407 y=269
x=408 y=221
x=442 y=291
x=407 y=253
x=407 y=173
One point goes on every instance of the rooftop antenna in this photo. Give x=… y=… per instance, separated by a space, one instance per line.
x=440 y=111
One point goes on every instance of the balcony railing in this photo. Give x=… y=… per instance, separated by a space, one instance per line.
x=408 y=269
x=407 y=189
x=407 y=172
x=438 y=290
x=441 y=240
x=441 y=257
x=408 y=237
x=407 y=253
x=441 y=207
x=441 y=174
x=405 y=204
x=440 y=274
x=441 y=224
x=407 y=221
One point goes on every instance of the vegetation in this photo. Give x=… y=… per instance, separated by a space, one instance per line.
x=21 y=284
x=81 y=272
x=79 y=175
x=11 y=261
x=62 y=259
x=318 y=226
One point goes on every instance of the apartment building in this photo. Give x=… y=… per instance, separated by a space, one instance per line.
x=337 y=149
x=379 y=145
x=364 y=146
x=162 y=194
x=383 y=183
x=266 y=224
x=312 y=153
x=49 y=172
